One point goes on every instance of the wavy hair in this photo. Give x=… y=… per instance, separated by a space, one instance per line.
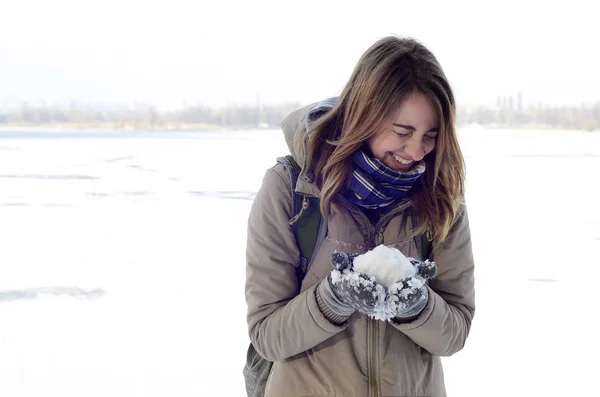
x=387 y=73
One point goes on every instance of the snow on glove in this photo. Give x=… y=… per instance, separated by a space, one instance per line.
x=408 y=297
x=426 y=269
x=357 y=290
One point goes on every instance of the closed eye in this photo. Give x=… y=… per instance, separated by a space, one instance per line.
x=402 y=132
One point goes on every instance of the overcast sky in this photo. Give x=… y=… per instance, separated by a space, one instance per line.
x=219 y=52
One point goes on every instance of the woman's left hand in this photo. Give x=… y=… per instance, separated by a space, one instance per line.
x=408 y=297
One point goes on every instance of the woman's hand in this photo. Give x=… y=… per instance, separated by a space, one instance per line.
x=358 y=290
x=408 y=297
x=403 y=299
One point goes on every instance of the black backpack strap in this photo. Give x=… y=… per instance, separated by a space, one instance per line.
x=307 y=219
x=424 y=245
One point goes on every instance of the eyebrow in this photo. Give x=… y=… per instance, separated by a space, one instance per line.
x=411 y=128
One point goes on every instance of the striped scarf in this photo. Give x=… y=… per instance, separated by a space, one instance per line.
x=374 y=185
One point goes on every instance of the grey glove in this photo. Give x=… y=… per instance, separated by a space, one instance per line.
x=357 y=290
x=408 y=297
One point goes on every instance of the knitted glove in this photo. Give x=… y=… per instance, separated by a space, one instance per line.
x=357 y=290
x=407 y=298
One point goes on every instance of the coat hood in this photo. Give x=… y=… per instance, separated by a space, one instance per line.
x=295 y=131
x=297 y=124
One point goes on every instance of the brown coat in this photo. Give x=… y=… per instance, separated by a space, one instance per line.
x=362 y=357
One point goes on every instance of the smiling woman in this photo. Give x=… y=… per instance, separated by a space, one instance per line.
x=383 y=163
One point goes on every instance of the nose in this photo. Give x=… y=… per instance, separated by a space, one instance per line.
x=415 y=148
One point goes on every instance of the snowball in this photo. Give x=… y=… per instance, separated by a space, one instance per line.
x=387 y=265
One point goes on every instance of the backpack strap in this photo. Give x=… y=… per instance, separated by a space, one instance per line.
x=424 y=245
x=307 y=219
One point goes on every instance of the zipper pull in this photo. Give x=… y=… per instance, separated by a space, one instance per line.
x=378 y=238
x=305 y=205
x=375 y=238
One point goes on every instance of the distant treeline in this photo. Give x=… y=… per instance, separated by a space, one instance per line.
x=150 y=117
x=584 y=117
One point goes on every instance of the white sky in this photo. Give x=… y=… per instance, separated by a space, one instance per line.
x=218 y=52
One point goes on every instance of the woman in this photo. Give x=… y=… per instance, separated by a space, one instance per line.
x=384 y=160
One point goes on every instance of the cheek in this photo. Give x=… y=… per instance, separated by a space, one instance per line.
x=429 y=145
x=381 y=144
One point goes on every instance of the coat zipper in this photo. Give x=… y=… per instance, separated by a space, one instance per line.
x=372 y=230
x=388 y=216
x=373 y=358
x=371 y=337
x=372 y=326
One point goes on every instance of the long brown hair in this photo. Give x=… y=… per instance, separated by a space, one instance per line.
x=389 y=71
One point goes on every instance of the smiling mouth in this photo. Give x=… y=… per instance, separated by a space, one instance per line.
x=401 y=160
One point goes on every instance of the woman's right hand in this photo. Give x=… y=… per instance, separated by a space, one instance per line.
x=355 y=289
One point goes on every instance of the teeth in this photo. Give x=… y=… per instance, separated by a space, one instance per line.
x=401 y=160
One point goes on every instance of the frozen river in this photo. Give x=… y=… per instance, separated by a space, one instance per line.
x=122 y=262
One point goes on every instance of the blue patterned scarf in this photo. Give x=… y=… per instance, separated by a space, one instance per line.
x=374 y=185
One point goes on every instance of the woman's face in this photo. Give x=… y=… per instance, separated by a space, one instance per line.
x=408 y=135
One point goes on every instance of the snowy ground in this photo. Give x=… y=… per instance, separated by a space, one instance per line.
x=122 y=263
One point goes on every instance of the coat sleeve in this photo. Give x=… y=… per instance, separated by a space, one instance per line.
x=282 y=321
x=443 y=326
